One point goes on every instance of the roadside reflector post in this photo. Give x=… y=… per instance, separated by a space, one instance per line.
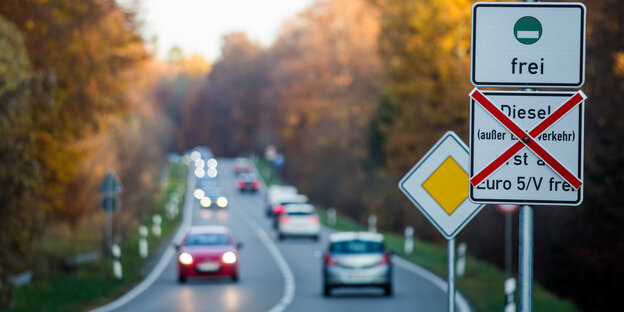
x=372 y=223
x=171 y=213
x=461 y=259
x=116 y=252
x=526 y=259
x=510 y=289
x=143 y=248
x=331 y=216
x=156 y=229
x=451 y=274
x=409 y=240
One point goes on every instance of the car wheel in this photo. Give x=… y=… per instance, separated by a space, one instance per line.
x=181 y=279
x=280 y=236
x=388 y=290
x=235 y=278
x=327 y=290
x=315 y=238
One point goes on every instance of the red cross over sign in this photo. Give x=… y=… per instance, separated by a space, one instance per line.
x=526 y=147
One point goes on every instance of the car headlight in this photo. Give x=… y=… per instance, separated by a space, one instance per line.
x=222 y=202
x=212 y=163
x=199 y=193
x=228 y=257
x=185 y=258
x=205 y=202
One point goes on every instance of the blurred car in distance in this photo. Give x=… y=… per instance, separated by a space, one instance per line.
x=276 y=193
x=248 y=182
x=208 y=251
x=214 y=197
x=241 y=165
x=356 y=259
x=298 y=220
x=280 y=206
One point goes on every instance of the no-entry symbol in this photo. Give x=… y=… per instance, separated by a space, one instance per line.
x=526 y=147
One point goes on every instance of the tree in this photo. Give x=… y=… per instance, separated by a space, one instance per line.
x=19 y=174
x=86 y=47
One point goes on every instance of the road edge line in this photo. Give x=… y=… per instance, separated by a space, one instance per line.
x=164 y=259
x=461 y=301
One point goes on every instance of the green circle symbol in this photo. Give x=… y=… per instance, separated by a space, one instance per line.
x=528 y=30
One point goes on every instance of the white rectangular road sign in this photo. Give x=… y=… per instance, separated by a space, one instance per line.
x=528 y=45
x=438 y=186
x=504 y=169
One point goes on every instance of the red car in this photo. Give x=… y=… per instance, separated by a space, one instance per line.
x=208 y=251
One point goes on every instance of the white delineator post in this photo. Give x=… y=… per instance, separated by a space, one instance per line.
x=143 y=247
x=409 y=240
x=372 y=223
x=116 y=252
x=156 y=229
x=510 y=288
x=331 y=216
x=461 y=259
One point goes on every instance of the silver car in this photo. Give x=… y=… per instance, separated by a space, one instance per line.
x=357 y=259
x=298 y=220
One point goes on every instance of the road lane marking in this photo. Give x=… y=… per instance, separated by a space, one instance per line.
x=164 y=260
x=289 y=278
x=462 y=303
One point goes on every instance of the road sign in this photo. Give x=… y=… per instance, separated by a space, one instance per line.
x=438 y=186
x=111 y=184
x=528 y=45
x=540 y=165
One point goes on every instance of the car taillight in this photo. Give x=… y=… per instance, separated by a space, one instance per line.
x=255 y=184
x=240 y=184
x=385 y=259
x=279 y=209
x=314 y=219
x=284 y=219
x=329 y=261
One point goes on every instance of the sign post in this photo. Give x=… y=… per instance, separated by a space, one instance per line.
x=438 y=186
x=527 y=45
x=111 y=188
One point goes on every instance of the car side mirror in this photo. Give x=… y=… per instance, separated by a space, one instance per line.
x=239 y=245
x=176 y=246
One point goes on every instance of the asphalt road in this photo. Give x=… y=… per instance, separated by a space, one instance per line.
x=274 y=275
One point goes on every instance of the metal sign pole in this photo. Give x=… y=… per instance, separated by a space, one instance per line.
x=526 y=259
x=451 y=274
x=508 y=244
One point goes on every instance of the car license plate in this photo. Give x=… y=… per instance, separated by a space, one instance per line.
x=208 y=267
x=358 y=277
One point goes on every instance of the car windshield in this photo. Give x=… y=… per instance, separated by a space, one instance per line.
x=208 y=239
x=299 y=213
x=356 y=246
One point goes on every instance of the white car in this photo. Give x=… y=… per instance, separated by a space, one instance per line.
x=298 y=220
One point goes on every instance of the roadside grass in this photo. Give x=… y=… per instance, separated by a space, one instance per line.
x=482 y=284
x=269 y=175
x=92 y=284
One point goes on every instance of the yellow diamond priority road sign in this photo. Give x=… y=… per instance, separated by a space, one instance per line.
x=438 y=185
